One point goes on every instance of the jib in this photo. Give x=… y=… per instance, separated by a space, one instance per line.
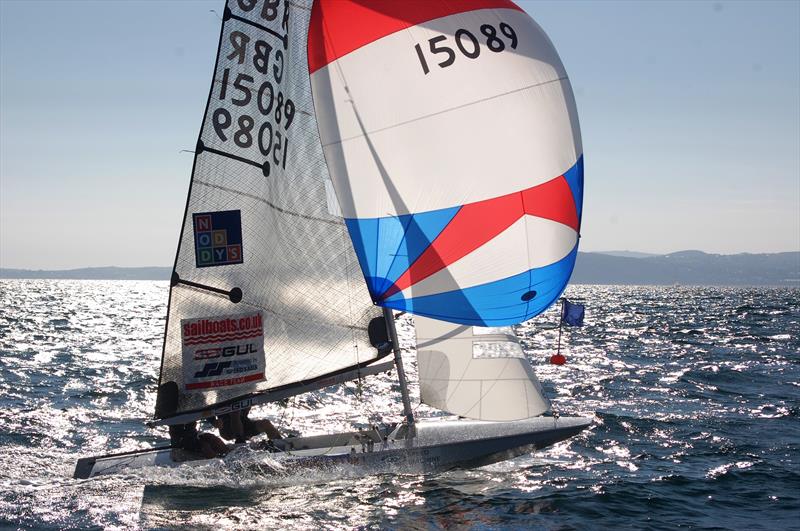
x=238 y=350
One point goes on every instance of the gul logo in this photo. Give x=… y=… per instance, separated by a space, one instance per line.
x=225 y=352
x=218 y=238
x=207 y=353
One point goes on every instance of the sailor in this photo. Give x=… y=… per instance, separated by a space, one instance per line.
x=185 y=437
x=238 y=427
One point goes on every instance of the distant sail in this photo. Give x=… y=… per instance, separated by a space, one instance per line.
x=452 y=139
x=479 y=373
x=267 y=290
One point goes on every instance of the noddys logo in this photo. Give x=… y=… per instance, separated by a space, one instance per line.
x=218 y=238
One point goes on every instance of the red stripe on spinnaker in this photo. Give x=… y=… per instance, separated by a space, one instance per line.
x=552 y=200
x=339 y=27
x=472 y=226
x=475 y=224
x=225 y=382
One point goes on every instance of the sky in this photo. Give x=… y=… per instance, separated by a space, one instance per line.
x=690 y=116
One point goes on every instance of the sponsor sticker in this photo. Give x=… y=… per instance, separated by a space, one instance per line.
x=218 y=238
x=222 y=351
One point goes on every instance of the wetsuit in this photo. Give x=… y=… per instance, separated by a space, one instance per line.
x=185 y=436
x=249 y=427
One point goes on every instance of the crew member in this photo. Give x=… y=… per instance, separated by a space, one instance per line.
x=236 y=426
x=185 y=437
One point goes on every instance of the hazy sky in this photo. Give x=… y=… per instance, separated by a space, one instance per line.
x=690 y=113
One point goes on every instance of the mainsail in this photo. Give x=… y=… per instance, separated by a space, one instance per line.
x=452 y=139
x=266 y=288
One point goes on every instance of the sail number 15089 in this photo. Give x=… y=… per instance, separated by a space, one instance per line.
x=468 y=44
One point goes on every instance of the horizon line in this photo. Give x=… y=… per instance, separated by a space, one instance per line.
x=70 y=268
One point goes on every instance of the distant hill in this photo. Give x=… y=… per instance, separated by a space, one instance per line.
x=628 y=254
x=685 y=267
x=690 y=268
x=93 y=273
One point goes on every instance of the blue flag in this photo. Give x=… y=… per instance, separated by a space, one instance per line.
x=572 y=315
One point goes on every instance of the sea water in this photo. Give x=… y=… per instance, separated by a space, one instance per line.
x=695 y=394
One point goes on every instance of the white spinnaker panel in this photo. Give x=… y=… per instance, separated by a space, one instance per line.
x=479 y=376
x=298 y=271
x=477 y=129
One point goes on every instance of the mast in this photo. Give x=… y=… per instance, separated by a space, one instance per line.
x=398 y=361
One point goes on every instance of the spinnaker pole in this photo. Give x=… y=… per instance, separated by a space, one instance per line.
x=398 y=361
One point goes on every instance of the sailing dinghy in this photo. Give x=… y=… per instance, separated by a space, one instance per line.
x=356 y=158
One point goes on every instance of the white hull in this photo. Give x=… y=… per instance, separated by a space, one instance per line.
x=435 y=446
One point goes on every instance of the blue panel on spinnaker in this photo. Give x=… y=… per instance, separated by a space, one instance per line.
x=574 y=177
x=496 y=303
x=386 y=247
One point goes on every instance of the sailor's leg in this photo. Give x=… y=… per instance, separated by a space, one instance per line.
x=263 y=426
x=237 y=427
x=211 y=445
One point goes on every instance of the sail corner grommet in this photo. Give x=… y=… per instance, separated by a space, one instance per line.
x=235 y=295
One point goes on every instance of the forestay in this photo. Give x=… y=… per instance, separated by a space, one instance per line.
x=479 y=373
x=267 y=291
x=452 y=138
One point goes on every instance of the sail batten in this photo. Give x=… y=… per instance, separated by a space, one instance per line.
x=452 y=139
x=286 y=303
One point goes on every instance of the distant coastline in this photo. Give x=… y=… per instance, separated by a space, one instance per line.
x=90 y=273
x=612 y=267
x=689 y=268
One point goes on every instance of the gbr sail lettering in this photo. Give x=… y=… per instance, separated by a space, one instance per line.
x=442 y=47
x=252 y=110
x=268 y=11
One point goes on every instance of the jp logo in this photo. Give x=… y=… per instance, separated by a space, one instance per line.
x=227 y=367
x=212 y=369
